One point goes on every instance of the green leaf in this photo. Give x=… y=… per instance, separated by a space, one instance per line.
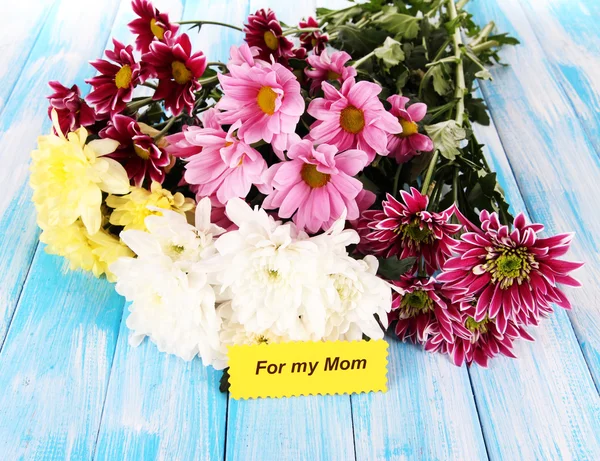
x=390 y=53
x=401 y=25
x=392 y=268
x=446 y=137
x=442 y=83
x=359 y=42
x=483 y=74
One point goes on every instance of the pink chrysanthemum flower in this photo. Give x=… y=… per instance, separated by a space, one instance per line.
x=404 y=146
x=483 y=342
x=318 y=183
x=244 y=54
x=71 y=109
x=264 y=31
x=137 y=151
x=314 y=41
x=408 y=229
x=422 y=311
x=515 y=274
x=265 y=98
x=218 y=162
x=113 y=88
x=151 y=25
x=352 y=118
x=178 y=71
x=328 y=68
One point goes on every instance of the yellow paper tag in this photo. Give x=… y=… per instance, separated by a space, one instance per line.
x=305 y=368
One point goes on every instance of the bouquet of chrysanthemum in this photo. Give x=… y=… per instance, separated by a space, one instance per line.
x=297 y=192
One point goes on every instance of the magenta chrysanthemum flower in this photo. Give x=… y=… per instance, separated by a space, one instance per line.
x=265 y=98
x=218 y=162
x=422 y=311
x=404 y=146
x=483 y=341
x=113 y=88
x=137 y=151
x=314 y=41
x=352 y=118
x=71 y=109
x=264 y=31
x=515 y=274
x=151 y=24
x=318 y=183
x=328 y=68
x=408 y=229
x=178 y=71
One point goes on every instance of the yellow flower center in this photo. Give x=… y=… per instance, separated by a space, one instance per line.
x=331 y=75
x=266 y=100
x=158 y=31
x=312 y=177
x=352 y=120
x=270 y=40
x=142 y=153
x=123 y=77
x=181 y=74
x=408 y=128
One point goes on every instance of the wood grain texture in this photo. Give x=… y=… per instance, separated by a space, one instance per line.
x=74 y=33
x=542 y=405
x=159 y=406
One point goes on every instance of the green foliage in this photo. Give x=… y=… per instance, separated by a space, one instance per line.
x=392 y=268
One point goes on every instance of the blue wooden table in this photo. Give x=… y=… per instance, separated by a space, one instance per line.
x=72 y=388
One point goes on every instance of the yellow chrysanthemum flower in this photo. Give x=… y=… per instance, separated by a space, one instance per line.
x=131 y=210
x=84 y=251
x=68 y=177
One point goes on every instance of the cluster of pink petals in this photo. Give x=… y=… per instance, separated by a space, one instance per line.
x=352 y=118
x=312 y=41
x=113 y=88
x=328 y=68
x=264 y=32
x=177 y=69
x=265 y=98
x=421 y=311
x=408 y=229
x=513 y=274
x=72 y=110
x=317 y=184
x=404 y=146
x=150 y=26
x=218 y=163
x=137 y=151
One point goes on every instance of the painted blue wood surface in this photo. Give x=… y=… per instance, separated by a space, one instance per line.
x=72 y=388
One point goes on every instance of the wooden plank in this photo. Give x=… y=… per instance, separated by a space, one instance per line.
x=23 y=22
x=568 y=34
x=74 y=33
x=542 y=405
x=298 y=428
x=159 y=406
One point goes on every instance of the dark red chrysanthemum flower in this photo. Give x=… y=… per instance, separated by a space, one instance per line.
x=72 y=110
x=514 y=274
x=151 y=25
x=177 y=70
x=314 y=41
x=113 y=88
x=483 y=342
x=422 y=310
x=137 y=151
x=264 y=31
x=408 y=229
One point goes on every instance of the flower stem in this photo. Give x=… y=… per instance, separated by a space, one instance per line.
x=483 y=34
x=214 y=23
x=135 y=105
x=484 y=46
x=208 y=80
x=362 y=60
x=216 y=64
x=459 y=93
x=429 y=174
x=150 y=85
x=301 y=31
x=168 y=125
x=397 y=179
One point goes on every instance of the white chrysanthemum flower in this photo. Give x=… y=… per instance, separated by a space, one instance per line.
x=271 y=273
x=169 y=284
x=353 y=293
